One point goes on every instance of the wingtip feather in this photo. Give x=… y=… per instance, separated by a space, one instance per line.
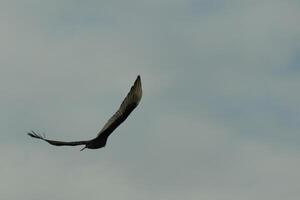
x=35 y=135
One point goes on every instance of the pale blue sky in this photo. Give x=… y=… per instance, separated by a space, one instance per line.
x=220 y=115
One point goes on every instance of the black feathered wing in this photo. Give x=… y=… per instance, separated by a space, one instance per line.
x=130 y=102
x=128 y=105
x=57 y=143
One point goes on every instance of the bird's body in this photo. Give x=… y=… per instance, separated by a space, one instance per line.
x=128 y=105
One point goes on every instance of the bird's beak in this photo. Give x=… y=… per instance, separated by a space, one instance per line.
x=82 y=148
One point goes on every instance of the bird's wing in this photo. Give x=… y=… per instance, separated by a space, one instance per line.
x=56 y=143
x=128 y=105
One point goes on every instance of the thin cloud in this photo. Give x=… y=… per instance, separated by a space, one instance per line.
x=219 y=118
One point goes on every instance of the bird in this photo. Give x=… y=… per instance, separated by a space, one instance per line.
x=130 y=102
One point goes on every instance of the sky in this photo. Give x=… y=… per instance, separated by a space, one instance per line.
x=219 y=117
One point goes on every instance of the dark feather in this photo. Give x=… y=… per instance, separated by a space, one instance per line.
x=130 y=102
x=128 y=105
x=56 y=143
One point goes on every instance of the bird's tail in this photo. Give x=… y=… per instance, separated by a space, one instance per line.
x=82 y=148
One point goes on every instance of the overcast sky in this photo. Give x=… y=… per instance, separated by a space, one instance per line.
x=220 y=115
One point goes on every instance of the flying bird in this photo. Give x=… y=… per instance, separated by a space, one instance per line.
x=130 y=102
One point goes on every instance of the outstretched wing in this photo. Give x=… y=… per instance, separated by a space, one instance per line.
x=56 y=143
x=128 y=105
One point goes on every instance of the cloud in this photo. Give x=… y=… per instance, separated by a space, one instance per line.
x=219 y=115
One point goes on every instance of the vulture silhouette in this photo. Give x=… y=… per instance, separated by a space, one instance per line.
x=130 y=102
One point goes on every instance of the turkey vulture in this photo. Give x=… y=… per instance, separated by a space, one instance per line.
x=128 y=105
